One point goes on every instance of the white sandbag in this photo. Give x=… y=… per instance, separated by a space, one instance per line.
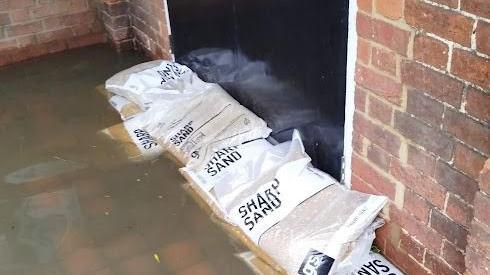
x=358 y=251
x=375 y=264
x=124 y=107
x=232 y=168
x=358 y=259
x=317 y=235
x=203 y=125
x=134 y=141
x=154 y=81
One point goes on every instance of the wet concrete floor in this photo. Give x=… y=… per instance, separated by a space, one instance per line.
x=69 y=204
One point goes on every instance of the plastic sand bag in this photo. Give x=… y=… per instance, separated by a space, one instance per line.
x=154 y=81
x=375 y=264
x=124 y=107
x=317 y=235
x=359 y=255
x=199 y=127
x=234 y=167
x=136 y=143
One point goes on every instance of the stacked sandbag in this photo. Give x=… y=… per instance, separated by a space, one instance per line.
x=356 y=261
x=295 y=213
x=297 y=218
x=155 y=81
x=203 y=124
x=123 y=106
x=134 y=141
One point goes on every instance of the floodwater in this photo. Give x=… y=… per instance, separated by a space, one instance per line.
x=69 y=201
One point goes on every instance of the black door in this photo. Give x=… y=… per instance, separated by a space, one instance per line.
x=283 y=59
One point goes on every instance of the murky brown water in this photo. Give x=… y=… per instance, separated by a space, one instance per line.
x=69 y=204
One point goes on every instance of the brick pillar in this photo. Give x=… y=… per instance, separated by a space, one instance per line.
x=478 y=250
x=421 y=125
x=115 y=16
x=137 y=24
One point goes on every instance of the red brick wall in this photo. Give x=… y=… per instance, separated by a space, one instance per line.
x=421 y=124
x=478 y=249
x=137 y=23
x=30 y=28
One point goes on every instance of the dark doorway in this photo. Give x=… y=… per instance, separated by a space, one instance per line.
x=283 y=59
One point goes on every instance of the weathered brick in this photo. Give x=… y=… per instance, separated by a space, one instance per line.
x=119 y=34
x=116 y=8
x=468 y=161
x=417 y=229
x=452 y=231
x=23 y=29
x=365 y=5
x=456 y=182
x=58 y=8
x=442 y=22
x=383 y=86
x=360 y=99
x=421 y=160
x=458 y=210
x=453 y=257
x=20 y=16
x=20 y=4
x=477 y=263
x=116 y=22
x=449 y=3
x=424 y=107
x=28 y=52
x=482 y=208
x=430 y=51
x=4 y=19
x=361 y=186
x=437 y=266
x=483 y=37
x=417 y=205
x=84 y=29
x=440 y=86
x=392 y=9
x=363 y=51
x=383 y=33
x=419 y=183
x=479 y=238
x=467 y=130
x=478 y=7
x=384 y=60
x=484 y=179
x=368 y=174
x=390 y=232
x=377 y=135
x=26 y=40
x=60 y=34
x=357 y=143
x=431 y=138
x=404 y=262
x=380 y=110
x=8 y=44
x=80 y=18
x=378 y=157
x=471 y=67
x=477 y=104
x=412 y=247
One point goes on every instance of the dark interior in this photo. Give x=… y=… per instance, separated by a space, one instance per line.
x=283 y=59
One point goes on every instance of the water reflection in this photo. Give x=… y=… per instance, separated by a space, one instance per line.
x=70 y=203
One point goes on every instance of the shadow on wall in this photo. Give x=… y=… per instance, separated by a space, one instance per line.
x=282 y=105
